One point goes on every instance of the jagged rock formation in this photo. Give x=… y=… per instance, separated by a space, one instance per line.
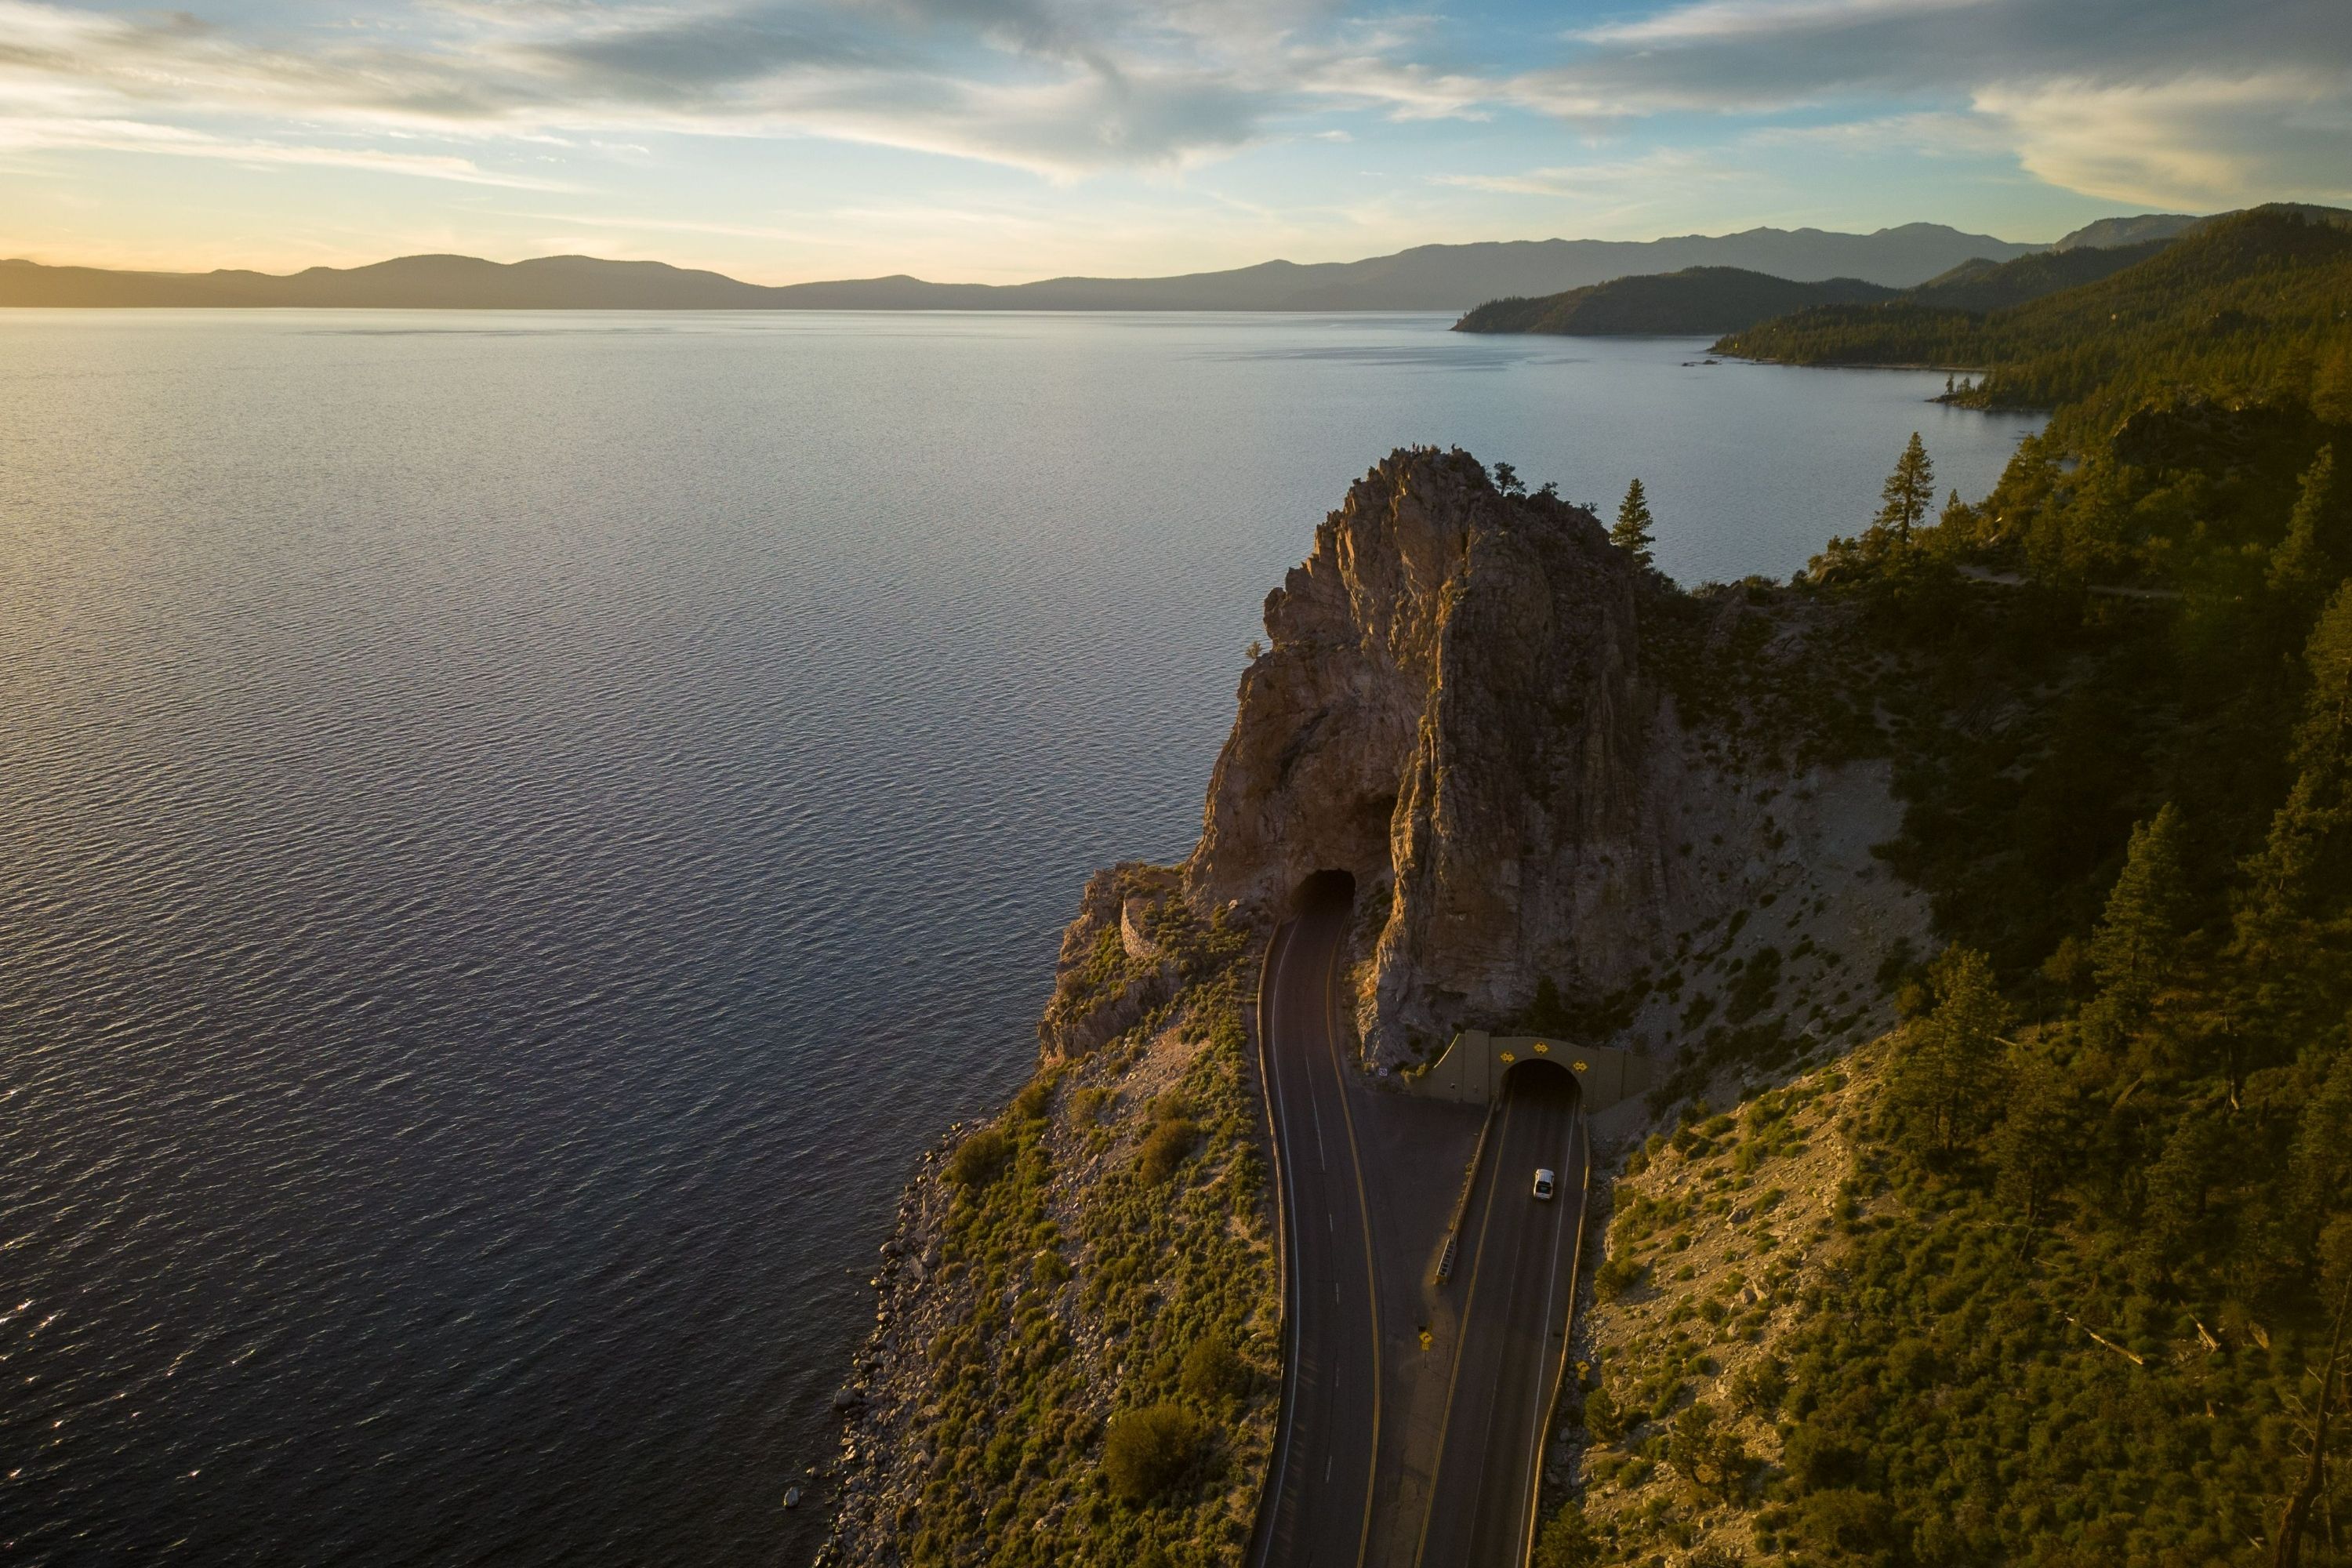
x=1453 y=706
x=1460 y=708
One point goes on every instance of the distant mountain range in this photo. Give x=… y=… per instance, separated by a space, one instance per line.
x=1718 y=300
x=1426 y=277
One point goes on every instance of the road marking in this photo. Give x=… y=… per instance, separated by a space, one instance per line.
x=1463 y=1330
x=1364 y=1216
x=1278 y=952
x=1543 y=1356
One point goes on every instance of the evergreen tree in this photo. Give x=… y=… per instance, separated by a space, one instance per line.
x=2302 y=567
x=2035 y=1142
x=1910 y=490
x=1957 y=515
x=1566 y=1541
x=2138 y=933
x=2297 y=907
x=1632 y=534
x=1944 y=1082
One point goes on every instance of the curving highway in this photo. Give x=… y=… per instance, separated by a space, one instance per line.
x=1412 y=1411
x=1318 y=1504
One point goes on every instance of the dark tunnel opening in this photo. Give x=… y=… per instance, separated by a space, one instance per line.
x=1324 y=889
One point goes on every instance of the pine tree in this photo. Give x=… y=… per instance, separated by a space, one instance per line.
x=1945 y=1077
x=1910 y=490
x=2298 y=903
x=2300 y=567
x=1632 y=533
x=2138 y=933
x=2037 y=1138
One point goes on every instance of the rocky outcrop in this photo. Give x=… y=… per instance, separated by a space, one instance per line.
x=1110 y=973
x=1453 y=708
x=1464 y=707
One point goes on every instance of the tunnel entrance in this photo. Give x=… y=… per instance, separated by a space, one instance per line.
x=1529 y=1075
x=1475 y=1067
x=1325 y=890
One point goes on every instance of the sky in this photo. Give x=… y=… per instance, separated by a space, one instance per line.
x=994 y=141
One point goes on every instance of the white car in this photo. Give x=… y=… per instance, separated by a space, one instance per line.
x=1544 y=1183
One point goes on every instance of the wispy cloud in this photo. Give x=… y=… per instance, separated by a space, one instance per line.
x=135 y=136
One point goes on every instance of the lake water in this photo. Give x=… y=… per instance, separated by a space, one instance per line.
x=516 y=830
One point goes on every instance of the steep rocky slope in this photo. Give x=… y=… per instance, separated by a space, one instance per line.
x=1470 y=704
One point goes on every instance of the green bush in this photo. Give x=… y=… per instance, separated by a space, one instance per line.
x=980 y=1158
x=1603 y=1418
x=1032 y=1103
x=1617 y=1276
x=1168 y=1145
x=1566 y=1541
x=1212 y=1371
x=1148 y=1451
x=1760 y=1387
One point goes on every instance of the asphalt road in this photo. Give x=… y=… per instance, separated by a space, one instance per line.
x=1319 y=1505
x=1516 y=1279
x=1396 y=1451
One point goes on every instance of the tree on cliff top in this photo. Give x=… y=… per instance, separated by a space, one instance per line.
x=1634 y=533
x=1910 y=490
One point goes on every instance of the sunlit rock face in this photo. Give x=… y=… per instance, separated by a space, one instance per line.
x=1452 y=710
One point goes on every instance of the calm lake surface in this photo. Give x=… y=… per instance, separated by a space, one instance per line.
x=515 y=831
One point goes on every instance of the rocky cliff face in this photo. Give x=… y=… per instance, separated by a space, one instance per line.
x=1459 y=709
x=1453 y=711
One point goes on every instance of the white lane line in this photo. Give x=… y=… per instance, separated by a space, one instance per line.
x=1543 y=1356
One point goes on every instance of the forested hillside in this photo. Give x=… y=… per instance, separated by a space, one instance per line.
x=1695 y=300
x=1994 y=285
x=2251 y=306
x=2091 y=1267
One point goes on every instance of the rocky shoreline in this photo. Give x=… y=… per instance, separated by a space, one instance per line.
x=1571 y=796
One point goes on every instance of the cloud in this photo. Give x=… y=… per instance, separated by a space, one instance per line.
x=2136 y=99
x=2196 y=142
x=1063 y=90
x=133 y=136
x=1758 y=53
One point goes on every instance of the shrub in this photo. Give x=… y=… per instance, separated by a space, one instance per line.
x=1031 y=1103
x=1149 y=1450
x=1858 y=1523
x=980 y=1158
x=1617 y=1276
x=1602 y=1416
x=1760 y=1388
x=1170 y=1144
x=1212 y=1371
x=1566 y=1541
x=1817 y=1462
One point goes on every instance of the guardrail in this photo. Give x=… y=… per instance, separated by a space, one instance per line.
x=1451 y=1251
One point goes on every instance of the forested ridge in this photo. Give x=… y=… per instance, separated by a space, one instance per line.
x=1695 y=300
x=2257 y=305
x=2093 y=1257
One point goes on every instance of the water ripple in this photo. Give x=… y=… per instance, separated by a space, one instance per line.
x=513 y=833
